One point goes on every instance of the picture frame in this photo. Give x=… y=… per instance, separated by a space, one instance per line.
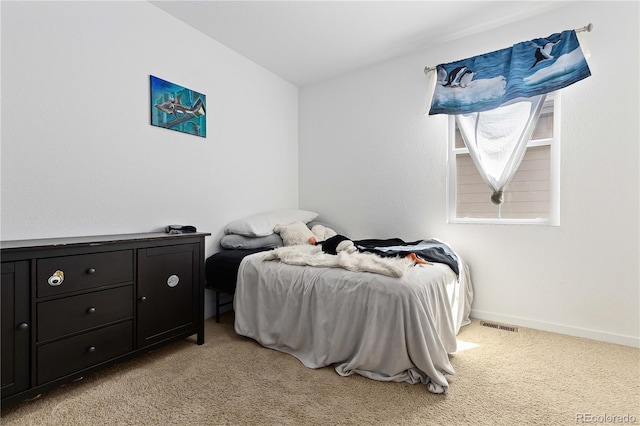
x=178 y=108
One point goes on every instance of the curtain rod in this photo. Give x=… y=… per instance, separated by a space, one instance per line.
x=586 y=28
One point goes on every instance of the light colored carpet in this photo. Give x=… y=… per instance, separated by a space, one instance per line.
x=502 y=378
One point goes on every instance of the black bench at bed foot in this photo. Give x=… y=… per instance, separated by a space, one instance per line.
x=221 y=272
x=219 y=305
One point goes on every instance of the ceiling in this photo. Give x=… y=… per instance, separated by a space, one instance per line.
x=308 y=41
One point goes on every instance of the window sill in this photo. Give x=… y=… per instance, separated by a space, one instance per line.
x=487 y=221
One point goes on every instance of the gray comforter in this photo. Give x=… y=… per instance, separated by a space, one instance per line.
x=385 y=328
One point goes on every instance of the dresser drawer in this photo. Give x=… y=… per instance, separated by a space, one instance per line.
x=81 y=272
x=59 y=317
x=64 y=357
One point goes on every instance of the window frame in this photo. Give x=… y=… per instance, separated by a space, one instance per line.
x=554 y=174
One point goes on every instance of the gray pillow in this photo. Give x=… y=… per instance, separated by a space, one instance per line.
x=235 y=241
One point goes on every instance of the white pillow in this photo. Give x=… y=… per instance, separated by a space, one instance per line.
x=261 y=225
x=295 y=234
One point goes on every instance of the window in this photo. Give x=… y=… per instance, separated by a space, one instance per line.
x=532 y=196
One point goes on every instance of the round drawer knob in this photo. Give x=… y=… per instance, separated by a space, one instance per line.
x=91 y=310
x=91 y=271
x=91 y=349
x=23 y=326
x=143 y=299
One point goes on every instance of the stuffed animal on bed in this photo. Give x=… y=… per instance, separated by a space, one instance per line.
x=322 y=232
x=336 y=244
x=330 y=241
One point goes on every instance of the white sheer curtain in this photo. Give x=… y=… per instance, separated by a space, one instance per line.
x=497 y=139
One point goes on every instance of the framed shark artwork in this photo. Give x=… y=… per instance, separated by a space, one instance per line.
x=178 y=108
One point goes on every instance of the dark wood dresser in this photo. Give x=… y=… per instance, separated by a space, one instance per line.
x=71 y=306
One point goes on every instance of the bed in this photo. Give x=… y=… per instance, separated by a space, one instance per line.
x=379 y=323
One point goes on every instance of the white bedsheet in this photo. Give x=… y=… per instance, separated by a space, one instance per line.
x=384 y=328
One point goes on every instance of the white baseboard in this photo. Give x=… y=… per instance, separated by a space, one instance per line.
x=602 y=336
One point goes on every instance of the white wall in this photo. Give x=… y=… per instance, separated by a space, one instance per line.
x=78 y=153
x=79 y=156
x=372 y=163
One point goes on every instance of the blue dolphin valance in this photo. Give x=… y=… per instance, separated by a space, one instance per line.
x=526 y=69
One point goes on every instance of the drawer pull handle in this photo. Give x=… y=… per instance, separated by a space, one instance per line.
x=91 y=349
x=91 y=271
x=23 y=326
x=91 y=310
x=143 y=299
x=173 y=281
x=56 y=279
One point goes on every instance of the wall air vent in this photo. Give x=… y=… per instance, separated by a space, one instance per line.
x=499 y=326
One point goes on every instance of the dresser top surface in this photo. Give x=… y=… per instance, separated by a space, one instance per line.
x=94 y=240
